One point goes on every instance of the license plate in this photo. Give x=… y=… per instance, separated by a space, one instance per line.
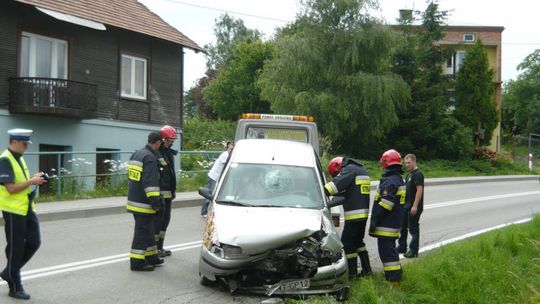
x=292 y=285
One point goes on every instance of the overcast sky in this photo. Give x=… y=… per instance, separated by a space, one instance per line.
x=196 y=19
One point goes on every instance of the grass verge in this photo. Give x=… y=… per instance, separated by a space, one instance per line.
x=501 y=266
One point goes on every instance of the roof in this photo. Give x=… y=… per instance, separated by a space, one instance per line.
x=125 y=14
x=273 y=151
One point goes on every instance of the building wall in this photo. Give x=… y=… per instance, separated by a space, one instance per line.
x=491 y=38
x=80 y=136
x=94 y=57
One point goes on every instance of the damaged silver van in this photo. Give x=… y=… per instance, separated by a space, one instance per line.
x=269 y=228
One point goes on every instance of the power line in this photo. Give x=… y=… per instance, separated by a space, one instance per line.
x=226 y=11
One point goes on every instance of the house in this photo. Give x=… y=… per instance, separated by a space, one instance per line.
x=459 y=38
x=92 y=76
x=462 y=37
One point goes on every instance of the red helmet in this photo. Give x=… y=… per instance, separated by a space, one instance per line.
x=390 y=157
x=334 y=167
x=168 y=132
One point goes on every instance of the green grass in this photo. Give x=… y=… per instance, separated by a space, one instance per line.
x=501 y=266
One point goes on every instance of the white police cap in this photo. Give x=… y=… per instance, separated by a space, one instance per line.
x=20 y=134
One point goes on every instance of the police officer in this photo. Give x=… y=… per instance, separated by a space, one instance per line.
x=351 y=180
x=387 y=214
x=17 y=205
x=167 y=185
x=144 y=201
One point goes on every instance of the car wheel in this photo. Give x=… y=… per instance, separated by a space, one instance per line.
x=342 y=294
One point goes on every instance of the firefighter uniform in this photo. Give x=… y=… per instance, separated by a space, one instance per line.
x=353 y=183
x=143 y=201
x=167 y=186
x=386 y=219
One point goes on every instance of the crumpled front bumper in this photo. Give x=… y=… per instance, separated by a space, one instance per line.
x=328 y=279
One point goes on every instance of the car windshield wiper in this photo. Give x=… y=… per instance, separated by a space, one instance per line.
x=234 y=203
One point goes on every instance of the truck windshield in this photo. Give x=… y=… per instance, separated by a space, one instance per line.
x=260 y=185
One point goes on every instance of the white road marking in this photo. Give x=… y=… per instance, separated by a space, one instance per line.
x=468 y=235
x=479 y=199
x=48 y=271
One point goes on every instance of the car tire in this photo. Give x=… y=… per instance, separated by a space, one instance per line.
x=342 y=295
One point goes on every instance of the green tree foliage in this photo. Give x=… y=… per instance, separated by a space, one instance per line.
x=194 y=97
x=521 y=99
x=427 y=127
x=475 y=104
x=333 y=63
x=229 y=32
x=234 y=89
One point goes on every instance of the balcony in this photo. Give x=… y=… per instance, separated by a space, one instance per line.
x=54 y=97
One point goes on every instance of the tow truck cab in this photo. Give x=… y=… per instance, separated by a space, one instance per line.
x=285 y=127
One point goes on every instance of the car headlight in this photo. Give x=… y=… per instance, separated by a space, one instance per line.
x=226 y=251
x=231 y=252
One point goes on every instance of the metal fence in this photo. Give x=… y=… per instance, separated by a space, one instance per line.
x=523 y=149
x=84 y=169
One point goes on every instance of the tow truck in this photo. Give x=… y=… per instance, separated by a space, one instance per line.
x=273 y=126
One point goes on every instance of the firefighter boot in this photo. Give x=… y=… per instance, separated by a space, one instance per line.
x=353 y=264
x=366 y=267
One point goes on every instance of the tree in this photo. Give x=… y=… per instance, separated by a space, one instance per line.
x=475 y=104
x=234 y=89
x=229 y=32
x=333 y=63
x=195 y=95
x=521 y=98
x=427 y=128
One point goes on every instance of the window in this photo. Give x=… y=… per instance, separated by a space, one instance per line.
x=460 y=57
x=468 y=37
x=133 y=77
x=43 y=56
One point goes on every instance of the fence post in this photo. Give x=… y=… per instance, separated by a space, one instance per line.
x=58 y=169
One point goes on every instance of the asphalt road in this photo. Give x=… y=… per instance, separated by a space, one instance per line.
x=85 y=260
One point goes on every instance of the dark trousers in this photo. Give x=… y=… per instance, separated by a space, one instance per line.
x=353 y=242
x=23 y=240
x=205 y=202
x=411 y=225
x=163 y=218
x=143 y=247
x=390 y=259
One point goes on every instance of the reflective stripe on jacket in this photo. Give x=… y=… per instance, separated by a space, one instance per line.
x=16 y=203
x=143 y=181
x=354 y=184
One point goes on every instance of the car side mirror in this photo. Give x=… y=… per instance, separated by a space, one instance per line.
x=336 y=201
x=206 y=193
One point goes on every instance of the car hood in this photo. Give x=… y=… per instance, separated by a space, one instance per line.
x=259 y=229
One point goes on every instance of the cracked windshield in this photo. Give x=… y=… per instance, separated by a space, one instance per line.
x=271 y=186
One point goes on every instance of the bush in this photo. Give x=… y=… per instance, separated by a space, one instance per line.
x=202 y=134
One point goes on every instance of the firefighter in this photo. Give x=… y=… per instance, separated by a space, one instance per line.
x=387 y=214
x=144 y=201
x=351 y=180
x=167 y=185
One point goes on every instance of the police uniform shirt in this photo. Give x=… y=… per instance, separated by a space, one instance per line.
x=414 y=178
x=7 y=176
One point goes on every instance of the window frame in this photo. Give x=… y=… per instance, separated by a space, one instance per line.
x=133 y=59
x=32 y=55
x=469 y=34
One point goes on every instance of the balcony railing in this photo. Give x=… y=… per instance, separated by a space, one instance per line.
x=57 y=97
